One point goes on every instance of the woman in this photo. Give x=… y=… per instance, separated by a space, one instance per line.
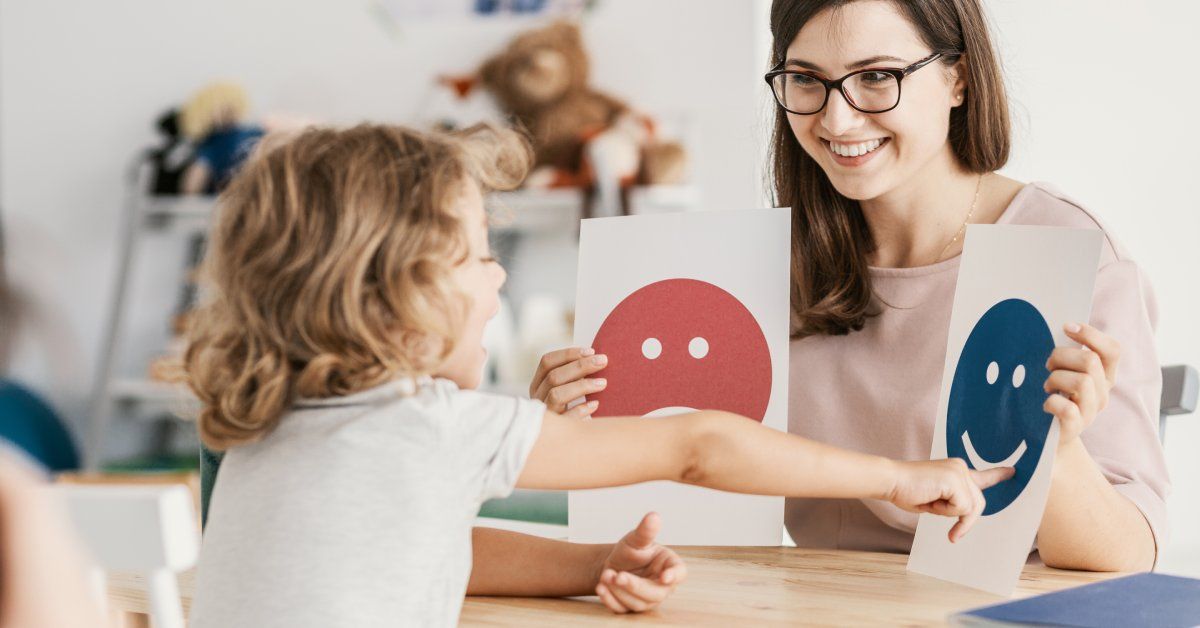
x=883 y=183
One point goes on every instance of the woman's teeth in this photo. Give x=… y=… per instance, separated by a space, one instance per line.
x=854 y=150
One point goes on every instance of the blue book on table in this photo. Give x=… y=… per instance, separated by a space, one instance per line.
x=1146 y=599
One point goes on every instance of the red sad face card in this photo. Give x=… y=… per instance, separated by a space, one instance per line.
x=683 y=344
x=692 y=311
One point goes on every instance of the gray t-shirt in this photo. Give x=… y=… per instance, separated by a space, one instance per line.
x=357 y=510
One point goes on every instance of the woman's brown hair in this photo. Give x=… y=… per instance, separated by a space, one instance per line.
x=328 y=269
x=831 y=282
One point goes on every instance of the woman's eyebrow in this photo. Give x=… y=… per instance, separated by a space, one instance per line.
x=808 y=65
x=869 y=61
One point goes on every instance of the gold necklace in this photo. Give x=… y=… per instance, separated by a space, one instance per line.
x=970 y=212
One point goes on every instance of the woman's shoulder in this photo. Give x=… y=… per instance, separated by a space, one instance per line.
x=1043 y=204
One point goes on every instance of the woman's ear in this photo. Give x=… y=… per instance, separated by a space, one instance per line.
x=958 y=90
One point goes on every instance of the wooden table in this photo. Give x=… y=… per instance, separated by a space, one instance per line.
x=741 y=585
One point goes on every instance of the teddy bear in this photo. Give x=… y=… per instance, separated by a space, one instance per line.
x=540 y=81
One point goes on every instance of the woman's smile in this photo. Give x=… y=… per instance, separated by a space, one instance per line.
x=854 y=154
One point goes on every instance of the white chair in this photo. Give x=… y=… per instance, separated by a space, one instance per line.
x=145 y=529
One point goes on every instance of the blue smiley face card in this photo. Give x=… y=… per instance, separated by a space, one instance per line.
x=1017 y=287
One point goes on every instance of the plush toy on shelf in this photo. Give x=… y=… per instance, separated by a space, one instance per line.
x=170 y=160
x=540 y=80
x=214 y=119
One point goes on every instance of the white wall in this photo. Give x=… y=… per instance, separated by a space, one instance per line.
x=1105 y=105
x=81 y=83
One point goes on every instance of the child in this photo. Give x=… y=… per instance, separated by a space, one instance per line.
x=335 y=360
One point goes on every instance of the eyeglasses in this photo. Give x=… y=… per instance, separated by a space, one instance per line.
x=873 y=90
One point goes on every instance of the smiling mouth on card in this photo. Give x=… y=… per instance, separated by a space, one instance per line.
x=980 y=464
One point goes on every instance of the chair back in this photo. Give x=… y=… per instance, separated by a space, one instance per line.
x=147 y=529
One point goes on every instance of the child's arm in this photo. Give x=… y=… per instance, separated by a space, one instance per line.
x=728 y=452
x=634 y=574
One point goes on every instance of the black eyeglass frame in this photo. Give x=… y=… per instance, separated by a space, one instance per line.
x=898 y=73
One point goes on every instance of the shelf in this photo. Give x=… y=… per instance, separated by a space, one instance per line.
x=521 y=211
x=534 y=211
x=176 y=399
x=178 y=206
x=162 y=212
x=664 y=198
x=152 y=392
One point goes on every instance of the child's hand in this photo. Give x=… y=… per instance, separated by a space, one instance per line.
x=639 y=574
x=945 y=487
x=561 y=378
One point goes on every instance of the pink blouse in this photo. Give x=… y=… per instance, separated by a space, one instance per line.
x=876 y=390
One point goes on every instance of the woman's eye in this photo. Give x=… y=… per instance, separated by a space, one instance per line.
x=801 y=80
x=876 y=78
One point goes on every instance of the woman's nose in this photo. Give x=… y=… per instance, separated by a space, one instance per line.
x=839 y=117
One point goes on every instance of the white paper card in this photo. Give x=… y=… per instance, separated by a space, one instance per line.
x=1017 y=286
x=692 y=311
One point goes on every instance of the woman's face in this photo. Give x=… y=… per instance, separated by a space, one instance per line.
x=894 y=146
x=480 y=278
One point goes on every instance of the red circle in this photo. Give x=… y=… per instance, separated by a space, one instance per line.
x=734 y=376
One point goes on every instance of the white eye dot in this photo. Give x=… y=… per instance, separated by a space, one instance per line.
x=1018 y=376
x=698 y=347
x=993 y=373
x=651 y=348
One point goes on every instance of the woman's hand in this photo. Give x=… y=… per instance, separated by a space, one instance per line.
x=638 y=573
x=561 y=378
x=945 y=487
x=1082 y=378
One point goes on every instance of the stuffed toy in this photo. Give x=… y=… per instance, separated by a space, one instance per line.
x=453 y=102
x=540 y=80
x=171 y=159
x=214 y=119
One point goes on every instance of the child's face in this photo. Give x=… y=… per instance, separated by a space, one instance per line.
x=480 y=277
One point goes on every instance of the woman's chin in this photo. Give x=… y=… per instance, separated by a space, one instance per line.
x=858 y=188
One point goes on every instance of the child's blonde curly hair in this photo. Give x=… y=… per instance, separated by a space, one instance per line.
x=328 y=269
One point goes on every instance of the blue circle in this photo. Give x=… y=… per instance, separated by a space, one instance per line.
x=997 y=416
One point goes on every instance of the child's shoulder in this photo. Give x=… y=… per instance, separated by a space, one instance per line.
x=404 y=403
x=475 y=406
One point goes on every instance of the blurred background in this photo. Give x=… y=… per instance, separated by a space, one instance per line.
x=106 y=108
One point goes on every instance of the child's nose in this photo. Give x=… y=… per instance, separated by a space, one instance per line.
x=501 y=276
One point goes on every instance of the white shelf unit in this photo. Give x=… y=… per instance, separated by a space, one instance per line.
x=525 y=212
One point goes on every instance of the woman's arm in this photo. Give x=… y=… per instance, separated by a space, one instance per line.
x=731 y=453
x=1087 y=524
